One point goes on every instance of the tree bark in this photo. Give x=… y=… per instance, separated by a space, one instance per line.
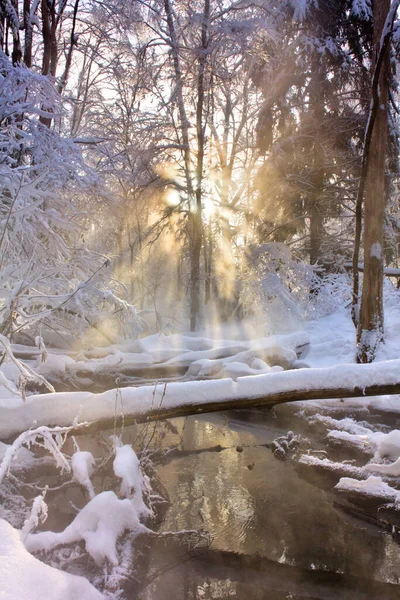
x=72 y=44
x=46 y=35
x=370 y=326
x=28 y=34
x=318 y=112
x=197 y=216
x=381 y=53
x=17 y=50
x=194 y=195
x=268 y=400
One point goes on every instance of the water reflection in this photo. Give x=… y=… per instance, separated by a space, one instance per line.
x=257 y=508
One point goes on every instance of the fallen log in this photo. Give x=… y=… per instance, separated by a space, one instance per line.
x=181 y=399
x=388 y=271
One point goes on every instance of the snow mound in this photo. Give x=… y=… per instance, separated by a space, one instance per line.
x=99 y=524
x=24 y=577
x=180 y=351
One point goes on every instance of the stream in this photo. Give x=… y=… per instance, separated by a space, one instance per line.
x=273 y=533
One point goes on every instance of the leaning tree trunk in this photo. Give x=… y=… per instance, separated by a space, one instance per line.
x=370 y=326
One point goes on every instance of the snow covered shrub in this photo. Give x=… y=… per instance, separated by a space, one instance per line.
x=286 y=290
x=277 y=285
x=391 y=294
x=47 y=275
x=331 y=292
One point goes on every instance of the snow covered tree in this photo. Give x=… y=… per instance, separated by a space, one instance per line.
x=311 y=124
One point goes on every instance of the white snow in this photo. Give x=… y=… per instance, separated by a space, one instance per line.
x=62 y=408
x=51 y=439
x=179 y=351
x=362 y=9
x=82 y=464
x=22 y=459
x=99 y=524
x=376 y=251
x=300 y=9
x=373 y=486
x=377 y=442
x=392 y=470
x=330 y=465
x=23 y=577
x=55 y=363
x=126 y=466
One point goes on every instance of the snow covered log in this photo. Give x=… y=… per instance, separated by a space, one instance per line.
x=388 y=271
x=162 y=401
x=170 y=357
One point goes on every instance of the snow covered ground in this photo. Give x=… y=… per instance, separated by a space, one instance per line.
x=24 y=577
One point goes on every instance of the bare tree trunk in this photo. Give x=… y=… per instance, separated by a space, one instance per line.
x=195 y=223
x=179 y=282
x=50 y=22
x=3 y=27
x=17 y=50
x=208 y=263
x=132 y=272
x=46 y=35
x=197 y=217
x=315 y=214
x=72 y=44
x=370 y=326
x=179 y=94
x=53 y=42
x=28 y=34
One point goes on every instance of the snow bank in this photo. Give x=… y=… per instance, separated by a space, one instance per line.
x=175 y=351
x=55 y=363
x=23 y=577
x=63 y=408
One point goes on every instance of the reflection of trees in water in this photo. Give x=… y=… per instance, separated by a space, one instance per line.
x=217 y=575
x=302 y=519
x=267 y=511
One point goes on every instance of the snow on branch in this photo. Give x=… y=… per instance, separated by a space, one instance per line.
x=51 y=439
x=27 y=374
x=145 y=403
x=362 y=9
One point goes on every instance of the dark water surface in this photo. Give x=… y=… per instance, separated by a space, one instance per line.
x=274 y=535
